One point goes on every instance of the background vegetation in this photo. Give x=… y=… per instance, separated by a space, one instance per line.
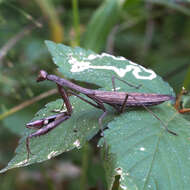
x=152 y=33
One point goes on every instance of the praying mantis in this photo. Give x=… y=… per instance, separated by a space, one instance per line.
x=118 y=100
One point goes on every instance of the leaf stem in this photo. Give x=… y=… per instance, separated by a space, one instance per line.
x=186 y=82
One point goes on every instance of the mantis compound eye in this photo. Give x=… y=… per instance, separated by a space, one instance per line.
x=42 y=76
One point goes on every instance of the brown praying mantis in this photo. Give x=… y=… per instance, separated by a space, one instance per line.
x=118 y=100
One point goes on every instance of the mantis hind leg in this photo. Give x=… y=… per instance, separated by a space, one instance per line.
x=99 y=104
x=145 y=107
x=124 y=104
x=121 y=109
x=83 y=99
x=127 y=83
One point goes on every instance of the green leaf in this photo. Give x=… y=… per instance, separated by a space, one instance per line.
x=101 y=24
x=73 y=133
x=144 y=154
x=141 y=151
x=85 y=65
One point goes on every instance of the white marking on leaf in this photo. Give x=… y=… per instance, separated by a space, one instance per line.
x=95 y=56
x=77 y=143
x=119 y=171
x=142 y=149
x=118 y=88
x=51 y=154
x=21 y=163
x=122 y=174
x=123 y=187
x=79 y=66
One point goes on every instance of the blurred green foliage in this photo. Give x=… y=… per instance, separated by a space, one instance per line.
x=154 y=33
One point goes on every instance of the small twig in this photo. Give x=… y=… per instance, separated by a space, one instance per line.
x=23 y=13
x=27 y=103
x=111 y=40
x=124 y=26
x=149 y=31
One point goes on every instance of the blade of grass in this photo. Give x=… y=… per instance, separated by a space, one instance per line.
x=76 y=41
x=101 y=25
x=54 y=23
